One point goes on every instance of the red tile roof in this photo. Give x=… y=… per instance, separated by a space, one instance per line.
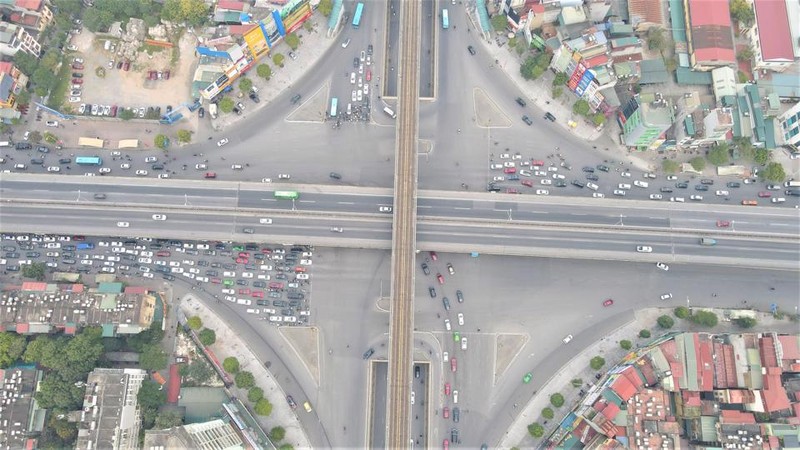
x=34 y=286
x=599 y=60
x=22 y=328
x=733 y=416
x=6 y=66
x=766 y=347
x=34 y=5
x=230 y=5
x=135 y=290
x=174 y=386
x=774 y=35
x=773 y=394
x=610 y=411
x=712 y=35
x=645 y=11
x=705 y=362
x=789 y=346
x=239 y=30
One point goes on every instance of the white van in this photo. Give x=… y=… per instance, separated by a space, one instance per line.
x=229 y=274
x=592 y=186
x=275 y=319
x=264 y=277
x=5 y=144
x=389 y=112
x=244 y=301
x=641 y=184
x=252 y=311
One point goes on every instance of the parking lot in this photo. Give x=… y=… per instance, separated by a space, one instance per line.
x=272 y=282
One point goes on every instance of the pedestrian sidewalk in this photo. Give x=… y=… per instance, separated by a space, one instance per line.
x=313 y=45
x=608 y=347
x=229 y=343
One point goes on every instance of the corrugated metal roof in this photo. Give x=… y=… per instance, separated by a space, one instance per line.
x=774 y=35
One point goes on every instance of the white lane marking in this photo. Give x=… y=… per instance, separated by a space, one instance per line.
x=462 y=207
x=346 y=203
x=306 y=201
x=269 y=199
x=424 y=206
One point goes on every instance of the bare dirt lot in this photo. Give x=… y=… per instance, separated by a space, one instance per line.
x=132 y=88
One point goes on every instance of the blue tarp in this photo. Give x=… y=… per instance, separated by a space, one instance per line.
x=483 y=16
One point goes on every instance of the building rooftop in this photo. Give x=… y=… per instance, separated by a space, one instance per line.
x=645 y=11
x=774 y=35
x=16 y=403
x=711 y=30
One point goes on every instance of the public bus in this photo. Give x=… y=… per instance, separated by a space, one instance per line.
x=89 y=161
x=357 y=15
x=286 y=195
x=445 y=19
x=334 y=106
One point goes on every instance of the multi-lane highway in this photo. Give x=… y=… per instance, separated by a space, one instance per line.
x=401 y=332
x=488 y=223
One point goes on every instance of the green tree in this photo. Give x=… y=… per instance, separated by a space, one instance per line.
x=69 y=7
x=547 y=413
x=35 y=136
x=126 y=114
x=560 y=79
x=625 y=344
x=762 y=156
x=744 y=54
x=207 y=337
x=245 y=380
x=96 y=19
x=597 y=362
x=742 y=77
x=255 y=394
x=24 y=97
x=152 y=335
x=50 y=138
x=536 y=430
x=184 y=136
x=264 y=71
x=286 y=447
x=719 y=155
x=499 y=22
x=576 y=382
x=50 y=60
x=200 y=371
x=557 y=92
x=231 y=365
x=245 y=84
x=698 y=163
x=12 y=347
x=35 y=270
x=773 y=172
x=705 y=318
x=656 y=39
x=59 y=392
x=742 y=12
x=277 y=434
x=746 y=150
x=196 y=323
x=670 y=166
x=644 y=334
x=150 y=395
x=325 y=7
x=153 y=358
x=746 y=322
x=681 y=312
x=557 y=400
x=263 y=407
x=665 y=322
x=226 y=105
x=292 y=41
x=528 y=69
x=161 y=141
x=64 y=428
x=598 y=118
x=168 y=419
x=27 y=63
x=192 y=12
x=521 y=46
x=581 y=107
x=278 y=59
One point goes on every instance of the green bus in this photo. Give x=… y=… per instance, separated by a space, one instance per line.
x=287 y=195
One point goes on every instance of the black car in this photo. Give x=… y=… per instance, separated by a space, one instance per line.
x=549 y=117
x=666 y=189
x=700 y=187
x=201 y=112
x=588 y=169
x=158 y=167
x=23 y=146
x=335 y=176
x=425 y=269
x=527 y=120
x=259 y=284
x=734 y=184
x=169 y=277
x=560 y=183
x=237 y=111
x=707 y=181
x=77 y=75
x=65 y=161
x=460 y=296
x=369 y=353
x=295 y=295
x=215 y=273
x=446 y=303
x=492 y=188
x=578 y=183
x=521 y=102
x=416 y=371
x=603 y=168
x=279 y=303
x=432 y=292
x=254 y=97
x=296 y=99
x=471 y=50
x=369 y=49
x=456 y=414
x=42 y=149
x=242 y=282
x=682 y=185
x=591 y=176
x=454 y=435
x=355 y=62
x=38 y=161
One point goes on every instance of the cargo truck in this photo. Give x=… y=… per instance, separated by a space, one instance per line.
x=212 y=109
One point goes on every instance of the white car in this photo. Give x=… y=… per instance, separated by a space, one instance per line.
x=352 y=78
x=353 y=96
x=447 y=325
x=303 y=276
x=558 y=176
x=74 y=99
x=150 y=159
x=567 y=339
x=624 y=186
x=509 y=164
x=163 y=176
x=455 y=396
x=662 y=266
x=722 y=193
x=159 y=217
x=598 y=195
x=105 y=170
x=366 y=89
x=666 y=296
x=385 y=209
x=194 y=270
x=53 y=254
x=542 y=191
x=525 y=173
x=124 y=166
x=54 y=169
x=545 y=181
x=108 y=270
x=265 y=221
x=505 y=156
x=778 y=200
x=141 y=173
x=672 y=177
x=148 y=275
x=359 y=95
x=495 y=166
x=644 y=249
x=619 y=192
x=413 y=396
x=656 y=196
x=247 y=274
x=640 y=184
x=123 y=224
x=625 y=174
x=498 y=178
x=461 y=319
x=305 y=262
x=145 y=261
x=697 y=198
x=201 y=166
x=360 y=82
x=222 y=142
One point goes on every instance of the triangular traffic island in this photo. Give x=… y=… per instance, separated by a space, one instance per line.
x=507 y=347
x=305 y=343
x=310 y=109
x=487 y=113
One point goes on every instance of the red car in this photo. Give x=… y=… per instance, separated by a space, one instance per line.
x=77 y=66
x=166 y=74
x=266 y=251
x=723 y=223
x=241 y=260
x=163 y=253
x=300 y=269
x=447 y=389
x=126 y=65
x=537 y=162
x=446 y=444
x=257 y=294
x=244 y=255
x=512 y=191
x=528 y=183
x=77 y=81
x=608 y=302
x=765 y=194
x=434 y=256
x=440 y=278
x=276 y=285
x=216 y=280
x=244 y=291
x=510 y=170
x=453 y=364
x=152 y=74
x=211 y=175
x=446 y=413
x=291 y=402
x=369 y=75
